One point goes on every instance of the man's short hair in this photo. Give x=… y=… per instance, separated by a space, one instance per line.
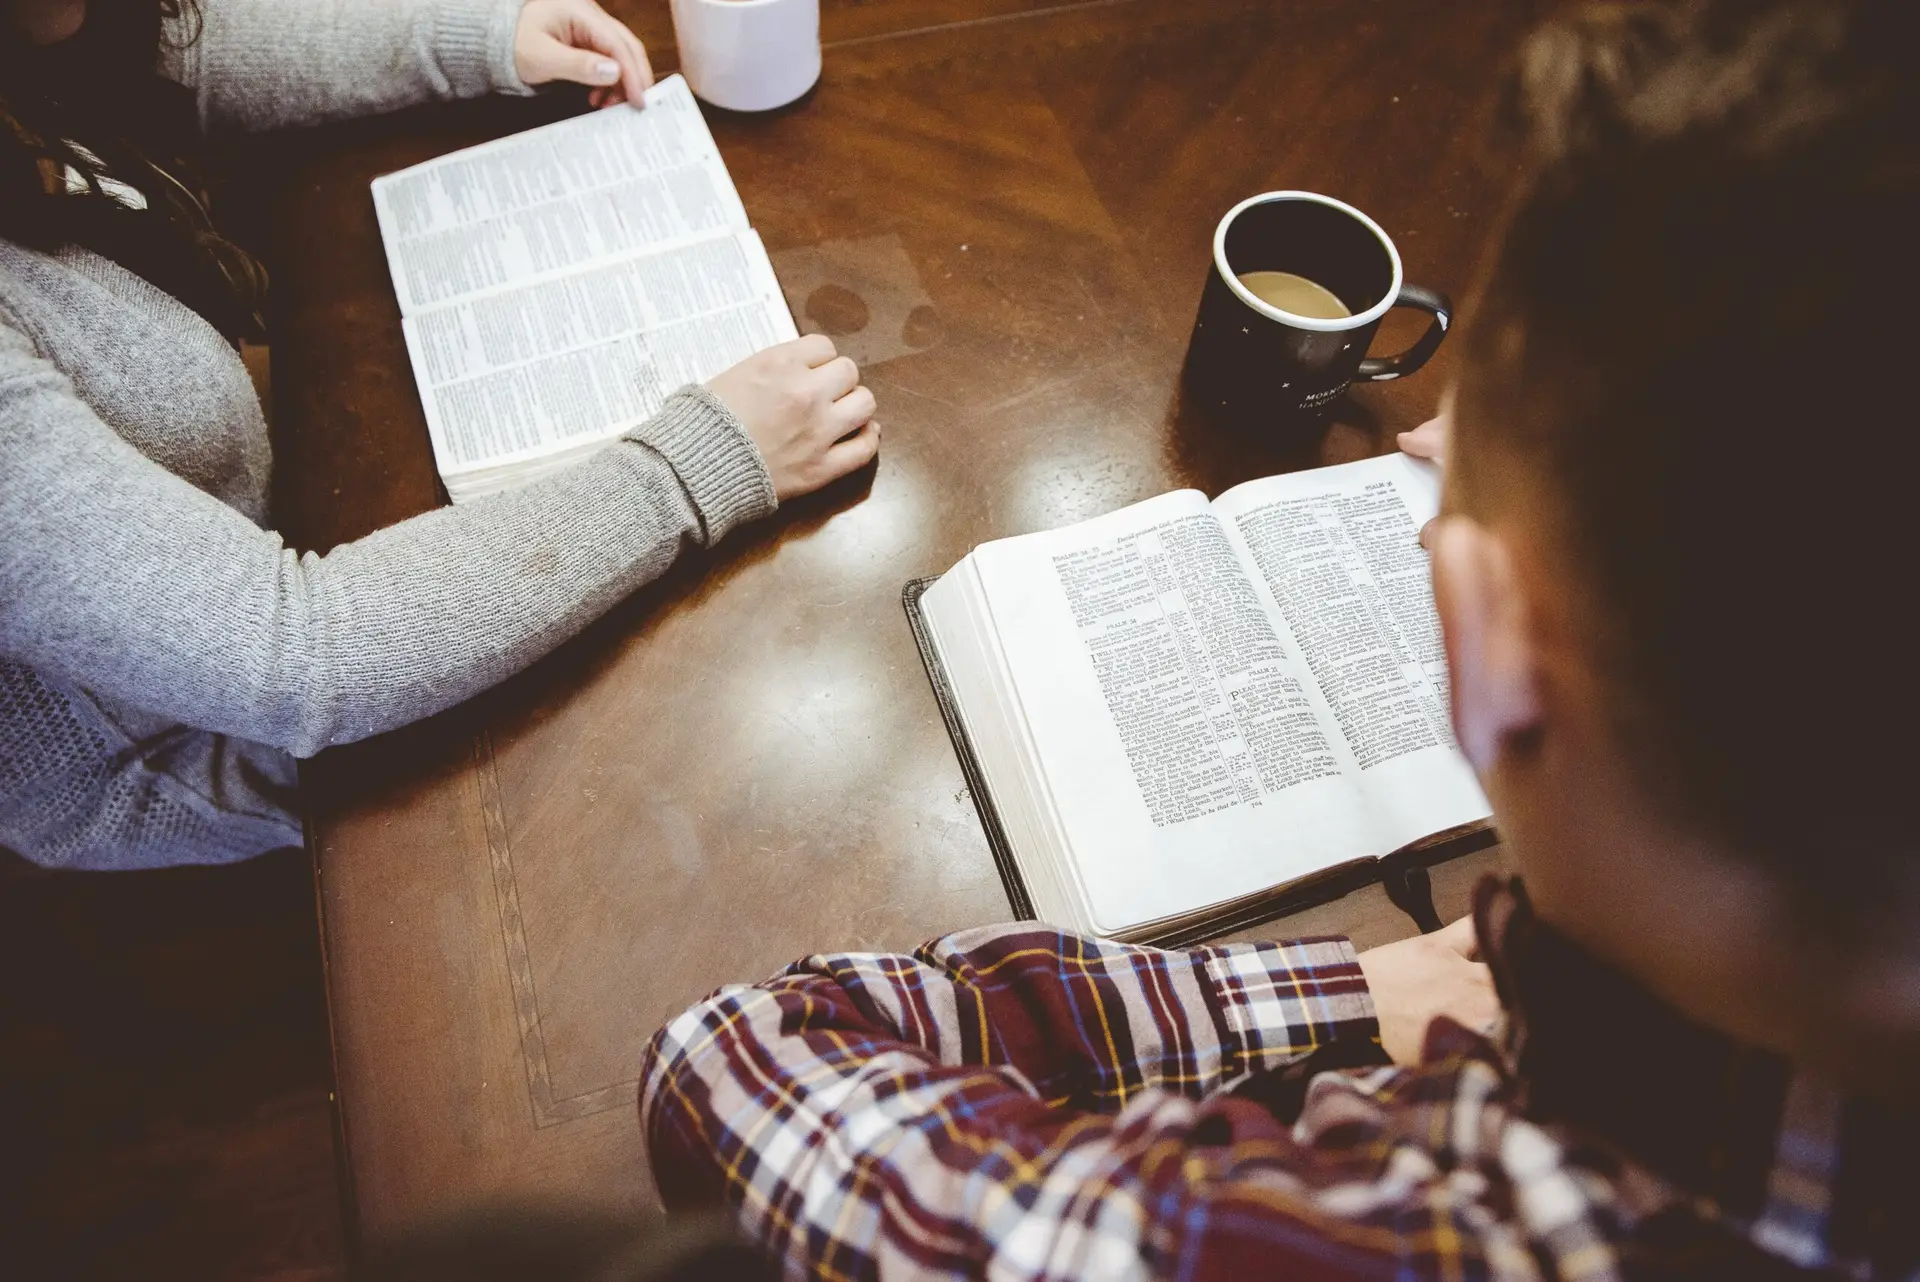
x=1699 y=331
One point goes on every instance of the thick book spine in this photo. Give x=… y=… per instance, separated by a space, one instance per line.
x=1010 y=878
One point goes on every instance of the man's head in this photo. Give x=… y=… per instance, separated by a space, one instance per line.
x=1677 y=571
x=46 y=22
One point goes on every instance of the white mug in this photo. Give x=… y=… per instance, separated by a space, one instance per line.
x=748 y=55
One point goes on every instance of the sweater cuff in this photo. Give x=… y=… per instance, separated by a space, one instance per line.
x=709 y=450
x=474 y=41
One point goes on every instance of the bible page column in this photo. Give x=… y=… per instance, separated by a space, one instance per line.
x=1338 y=550
x=519 y=372
x=1180 y=746
x=555 y=198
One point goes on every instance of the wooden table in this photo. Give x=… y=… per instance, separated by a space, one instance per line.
x=1003 y=209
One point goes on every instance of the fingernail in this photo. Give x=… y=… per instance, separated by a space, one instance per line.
x=606 y=71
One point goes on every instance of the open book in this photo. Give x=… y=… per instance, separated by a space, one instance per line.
x=557 y=285
x=1183 y=712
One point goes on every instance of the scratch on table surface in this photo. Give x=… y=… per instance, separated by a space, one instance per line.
x=877 y=384
x=810 y=735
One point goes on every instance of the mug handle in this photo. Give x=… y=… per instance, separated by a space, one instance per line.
x=1379 y=369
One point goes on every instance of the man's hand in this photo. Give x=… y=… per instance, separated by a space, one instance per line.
x=1416 y=979
x=578 y=40
x=1430 y=439
x=804 y=407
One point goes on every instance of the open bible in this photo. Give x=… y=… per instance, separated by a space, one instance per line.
x=557 y=285
x=1179 y=716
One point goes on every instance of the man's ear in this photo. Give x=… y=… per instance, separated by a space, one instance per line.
x=1490 y=648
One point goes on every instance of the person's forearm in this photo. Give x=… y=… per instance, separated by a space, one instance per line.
x=261 y=64
x=124 y=579
x=903 y=1089
x=424 y=614
x=1085 y=1023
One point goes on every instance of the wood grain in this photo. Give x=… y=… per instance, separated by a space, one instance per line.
x=743 y=763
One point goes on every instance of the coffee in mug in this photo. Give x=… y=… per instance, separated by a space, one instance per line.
x=1298 y=285
x=1296 y=294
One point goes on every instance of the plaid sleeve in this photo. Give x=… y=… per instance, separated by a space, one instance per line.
x=1004 y=1099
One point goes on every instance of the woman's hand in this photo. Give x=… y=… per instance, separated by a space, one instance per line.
x=804 y=407
x=578 y=40
x=1416 y=979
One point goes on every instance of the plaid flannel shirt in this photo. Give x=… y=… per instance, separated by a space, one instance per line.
x=1020 y=1103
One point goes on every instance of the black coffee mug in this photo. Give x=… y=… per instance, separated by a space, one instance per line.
x=1249 y=363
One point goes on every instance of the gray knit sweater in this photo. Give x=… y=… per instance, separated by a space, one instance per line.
x=163 y=655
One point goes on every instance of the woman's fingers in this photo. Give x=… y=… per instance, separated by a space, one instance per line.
x=582 y=66
x=578 y=40
x=855 y=409
x=856 y=451
x=837 y=377
x=815 y=349
x=805 y=436
x=595 y=27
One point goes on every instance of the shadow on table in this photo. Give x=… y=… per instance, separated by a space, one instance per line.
x=1215 y=456
x=391 y=762
x=164 y=1075
x=552 y=1244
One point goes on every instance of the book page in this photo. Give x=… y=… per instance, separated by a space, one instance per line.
x=520 y=372
x=1175 y=726
x=556 y=198
x=1208 y=708
x=1338 y=553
